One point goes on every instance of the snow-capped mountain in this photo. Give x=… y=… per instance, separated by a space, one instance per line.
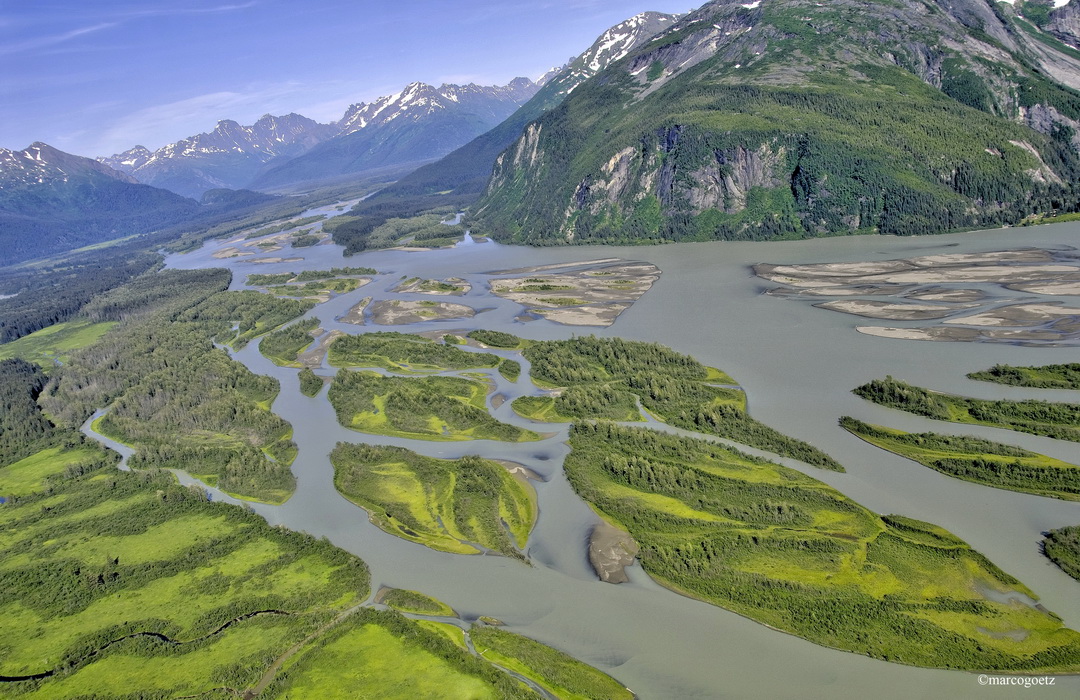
x=466 y=170
x=419 y=122
x=419 y=100
x=614 y=44
x=235 y=156
x=41 y=164
x=229 y=156
x=52 y=201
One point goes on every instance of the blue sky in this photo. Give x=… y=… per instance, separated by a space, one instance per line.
x=95 y=77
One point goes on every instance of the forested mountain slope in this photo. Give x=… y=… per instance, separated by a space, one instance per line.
x=794 y=118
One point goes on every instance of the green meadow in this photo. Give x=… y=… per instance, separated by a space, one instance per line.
x=559 y=674
x=55 y=343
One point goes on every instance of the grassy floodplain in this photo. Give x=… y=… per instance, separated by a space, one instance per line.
x=462 y=506
x=607 y=377
x=791 y=552
x=54 y=344
x=32 y=473
x=1066 y=376
x=1053 y=420
x=132 y=582
x=379 y=654
x=975 y=459
x=561 y=675
x=405 y=353
x=428 y=408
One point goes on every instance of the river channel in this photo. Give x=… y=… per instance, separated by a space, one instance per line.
x=797 y=364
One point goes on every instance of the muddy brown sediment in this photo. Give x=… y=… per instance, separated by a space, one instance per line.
x=611 y=550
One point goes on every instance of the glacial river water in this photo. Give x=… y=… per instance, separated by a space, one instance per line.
x=797 y=364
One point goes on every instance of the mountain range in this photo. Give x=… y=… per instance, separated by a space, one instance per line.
x=795 y=118
x=51 y=201
x=739 y=120
x=418 y=123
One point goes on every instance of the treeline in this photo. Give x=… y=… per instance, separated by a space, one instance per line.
x=1066 y=376
x=603 y=375
x=975 y=459
x=262 y=280
x=1062 y=546
x=164 y=291
x=552 y=668
x=23 y=429
x=42 y=297
x=1054 y=420
x=234 y=318
x=496 y=339
x=310 y=383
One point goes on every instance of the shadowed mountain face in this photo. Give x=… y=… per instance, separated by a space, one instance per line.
x=794 y=118
x=51 y=201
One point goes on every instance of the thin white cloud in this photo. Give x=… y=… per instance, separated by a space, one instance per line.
x=53 y=39
x=160 y=124
x=167 y=11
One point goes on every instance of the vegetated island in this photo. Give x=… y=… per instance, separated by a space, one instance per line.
x=1062 y=546
x=413 y=602
x=791 y=552
x=316 y=285
x=608 y=377
x=452 y=286
x=427 y=408
x=310 y=383
x=405 y=353
x=1065 y=376
x=1055 y=420
x=977 y=460
x=464 y=506
x=556 y=672
x=284 y=346
x=589 y=293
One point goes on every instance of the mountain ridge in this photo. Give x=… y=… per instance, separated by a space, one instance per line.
x=235 y=156
x=796 y=118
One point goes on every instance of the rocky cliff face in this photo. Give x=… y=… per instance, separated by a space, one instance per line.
x=795 y=118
